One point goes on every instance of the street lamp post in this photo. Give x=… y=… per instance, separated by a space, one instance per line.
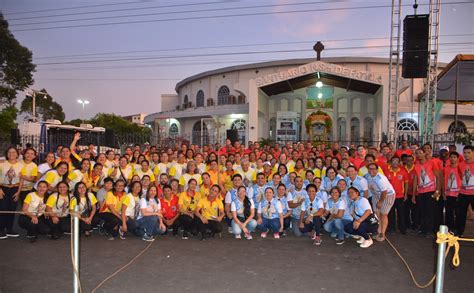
x=33 y=102
x=84 y=103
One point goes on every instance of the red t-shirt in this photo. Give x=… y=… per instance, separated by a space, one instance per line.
x=401 y=152
x=452 y=180
x=467 y=179
x=382 y=163
x=398 y=178
x=411 y=176
x=358 y=162
x=425 y=174
x=169 y=209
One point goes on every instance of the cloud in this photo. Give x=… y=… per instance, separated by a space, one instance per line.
x=307 y=25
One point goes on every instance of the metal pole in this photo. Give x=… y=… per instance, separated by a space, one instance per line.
x=441 y=261
x=202 y=133
x=456 y=103
x=75 y=235
x=33 y=97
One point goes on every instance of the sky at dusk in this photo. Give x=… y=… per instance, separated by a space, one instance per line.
x=148 y=46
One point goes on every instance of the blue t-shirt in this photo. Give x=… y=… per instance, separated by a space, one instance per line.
x=378 y=184
x=295 y=197
x=359 y=206
x=270 y=209
x=312 y=206
x=340 y=204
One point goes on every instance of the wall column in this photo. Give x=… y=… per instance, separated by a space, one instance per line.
x=253 y=111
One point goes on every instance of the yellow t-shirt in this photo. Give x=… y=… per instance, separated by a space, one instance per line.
x=10 y=173
x=59 y=204
x=183 y=181
x=187 y=203
x=250 y=176
x=127 y=173
x=210 y=210
x=162 y=168
x=226 y=180
x=83 y=203
x=177 y=170
x=140 y=174
x=133 y=207
x=111 y=199
x=77 y=176
x=35 y=203
x=52 y=177
x=31 y=170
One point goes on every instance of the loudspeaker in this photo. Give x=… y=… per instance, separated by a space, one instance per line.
x=232 y=135
x=415 y=46
x=15 y=136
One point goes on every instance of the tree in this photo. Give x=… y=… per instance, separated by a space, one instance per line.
x=117 y=124
x=16 y=67
x=16 y=74
x=45 y=106
x=7 y=121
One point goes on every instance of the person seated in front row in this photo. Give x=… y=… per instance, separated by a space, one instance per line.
x=270 y=215
x=311 y=212
x=150 y=219
x=88 y=217
x=243 y=213
x=209 y=213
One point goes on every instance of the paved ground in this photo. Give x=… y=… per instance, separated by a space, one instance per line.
x=228 y=265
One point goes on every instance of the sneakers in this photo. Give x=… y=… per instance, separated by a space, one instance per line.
x=361 y=240
x=229 y=230
x=237 y=236
x=111 y=238
x=122 y=234
x=276 y=235
x=313 y=236
x=333 y=235
x=367 y=243
x=12 y=234
x=317 y=240
x=185 y=235
x=380 y=238
x=148 y=238
x=264 y=234
x=339 y=241
x=3 y=235
x=248 y=236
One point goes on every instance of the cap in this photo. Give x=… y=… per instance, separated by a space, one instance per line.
x=345 y=146
x=444 y=148
x=267 y=163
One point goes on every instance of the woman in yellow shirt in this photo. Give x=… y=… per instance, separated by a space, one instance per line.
x=29 y=173
x=53 y=177
x=58 y=204
x=34 y=206
x=187 y=204
x=81 y=175
x=87 y=208
x=112 y=211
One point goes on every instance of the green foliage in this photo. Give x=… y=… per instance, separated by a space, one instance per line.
x=7 y=121
x=45 y=106
x=266 y=141
x=465 y=138
x=117 y=124
x=75 y=122
x=16 y=67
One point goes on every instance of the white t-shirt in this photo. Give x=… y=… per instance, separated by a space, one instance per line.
x=151 y=206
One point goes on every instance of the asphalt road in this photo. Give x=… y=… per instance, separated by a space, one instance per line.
x=228 y=265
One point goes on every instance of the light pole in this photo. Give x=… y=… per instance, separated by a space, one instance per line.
x=33 y=102
x=84 y=103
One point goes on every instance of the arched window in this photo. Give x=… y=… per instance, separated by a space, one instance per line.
x=341 y=129
x=369 y=129
x=198 y=134
x=186 y=100
x=240 y=126
x=223 y=95
x=355 y=130
x=200 y=99
x=460 y=129
x=407 y=124
x=174 y=130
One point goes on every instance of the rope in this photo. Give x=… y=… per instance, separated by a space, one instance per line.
x=122 y=268
x=450 y=239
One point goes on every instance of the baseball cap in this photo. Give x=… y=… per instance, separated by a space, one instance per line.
x=444 y=148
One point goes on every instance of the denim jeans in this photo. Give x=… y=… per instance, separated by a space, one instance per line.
x=270 y=224
x=149 y=225
x=236 y=230
x=295 y=226
x=363 y=230
x=336 y=226
x=315 y=225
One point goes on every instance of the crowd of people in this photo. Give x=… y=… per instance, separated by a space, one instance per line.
x=295 y=188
